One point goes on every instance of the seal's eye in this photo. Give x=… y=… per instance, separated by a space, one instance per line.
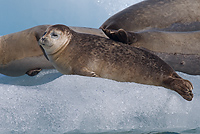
x=54 y=35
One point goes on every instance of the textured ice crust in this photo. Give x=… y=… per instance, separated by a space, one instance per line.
x=75 y=103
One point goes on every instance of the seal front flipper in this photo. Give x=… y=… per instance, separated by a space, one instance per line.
x=33 y=72
x=121 y=35
x=181 y=86
x=86 y=72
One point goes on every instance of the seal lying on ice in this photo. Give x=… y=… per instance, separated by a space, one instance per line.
x=89 y=55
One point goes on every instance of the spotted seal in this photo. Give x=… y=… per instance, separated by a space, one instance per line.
x=89 y=55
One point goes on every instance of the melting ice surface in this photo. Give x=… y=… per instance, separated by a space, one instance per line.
x=51 y=103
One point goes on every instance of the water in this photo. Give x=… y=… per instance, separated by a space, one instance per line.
x=51 y=103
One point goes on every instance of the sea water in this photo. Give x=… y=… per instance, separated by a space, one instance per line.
x=52 y=103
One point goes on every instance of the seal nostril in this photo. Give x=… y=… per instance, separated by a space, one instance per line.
x=43 y=39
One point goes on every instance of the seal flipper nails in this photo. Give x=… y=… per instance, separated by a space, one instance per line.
x=33 y=72
x=127 y=37
x=84 y=71
x=181 y=86
x=121 y=35
x=111 y=34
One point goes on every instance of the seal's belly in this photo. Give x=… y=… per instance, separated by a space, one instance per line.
x=20 y=67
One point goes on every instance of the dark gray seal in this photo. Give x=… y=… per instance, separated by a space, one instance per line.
x=89 y=55
x=170 y=15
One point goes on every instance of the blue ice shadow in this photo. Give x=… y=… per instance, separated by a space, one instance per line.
x=43 y=77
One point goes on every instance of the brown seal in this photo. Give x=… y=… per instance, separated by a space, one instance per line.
x=171 y=15
x=20 y=53
x=179 y=49
x=89 y=55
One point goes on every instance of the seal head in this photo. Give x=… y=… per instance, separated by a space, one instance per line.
x=53 y=39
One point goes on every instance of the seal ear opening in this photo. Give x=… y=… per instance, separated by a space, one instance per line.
x=44 y=52
x=121 y=35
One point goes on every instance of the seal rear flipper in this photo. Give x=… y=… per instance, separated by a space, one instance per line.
x=33 y=72
x=181 y=86
x=121 y=35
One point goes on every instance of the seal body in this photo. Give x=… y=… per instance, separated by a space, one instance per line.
x=170 y=15
x=179 y=49
x=20 y=53
x=89 y=55
x=87 y=30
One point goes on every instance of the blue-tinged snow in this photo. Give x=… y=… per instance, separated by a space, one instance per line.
x=51 y=103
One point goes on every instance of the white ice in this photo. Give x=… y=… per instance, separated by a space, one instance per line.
x=51 y=102
x=54 y=103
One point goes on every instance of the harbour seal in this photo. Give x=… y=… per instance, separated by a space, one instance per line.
x=20 y=53
x=170 y=15
x=179 y=49
x=89 y=55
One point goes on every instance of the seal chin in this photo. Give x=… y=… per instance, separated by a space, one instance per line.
x=41 y=43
